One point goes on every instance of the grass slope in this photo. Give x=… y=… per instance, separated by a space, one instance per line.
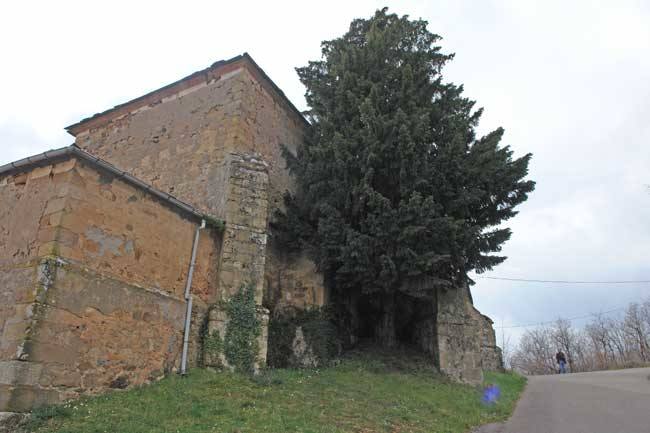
x=362 y=394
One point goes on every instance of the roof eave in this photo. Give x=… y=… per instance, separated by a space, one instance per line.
x=73 y=150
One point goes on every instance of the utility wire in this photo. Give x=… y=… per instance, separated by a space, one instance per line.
x=569 y=319
x=524 y=280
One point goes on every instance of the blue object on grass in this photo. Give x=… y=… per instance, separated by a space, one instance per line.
x=491 y=394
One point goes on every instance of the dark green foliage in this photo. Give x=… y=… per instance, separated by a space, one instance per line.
x=240 y=342
x=317 y=327
x=239 y=345
x=215 y=223
x=41 y=415
x=213 y=347
x=393 y=186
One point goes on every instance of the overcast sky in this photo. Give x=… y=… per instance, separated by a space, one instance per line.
x=569 y=80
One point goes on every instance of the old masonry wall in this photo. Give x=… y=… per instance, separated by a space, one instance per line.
x=193 y=143
x=93 y=276
x=188 y=144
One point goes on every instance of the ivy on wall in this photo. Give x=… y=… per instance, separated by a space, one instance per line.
x=240 y=342
x=239 y=345
x=213 y=347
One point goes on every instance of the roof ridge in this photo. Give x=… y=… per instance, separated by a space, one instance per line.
x=78 y=127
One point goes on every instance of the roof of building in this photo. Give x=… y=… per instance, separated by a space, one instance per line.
x=217 y=69
x=74 y=151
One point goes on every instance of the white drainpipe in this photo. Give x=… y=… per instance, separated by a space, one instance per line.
x=188 y=299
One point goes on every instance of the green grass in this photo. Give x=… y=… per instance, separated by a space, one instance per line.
x=359 y=395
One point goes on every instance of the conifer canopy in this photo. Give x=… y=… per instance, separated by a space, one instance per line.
x=395 y=192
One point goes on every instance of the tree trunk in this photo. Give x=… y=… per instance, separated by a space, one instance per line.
x=385 y=333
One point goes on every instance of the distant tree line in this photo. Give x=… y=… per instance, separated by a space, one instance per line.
x=603 y=343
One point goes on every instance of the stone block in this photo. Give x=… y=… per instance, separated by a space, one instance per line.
x=39 y=172
x=65 y=166
x=10 y=422
x=55 y=205
x=54 y=219
x=15 y=330
x=26 y=398
x=55 y=375
x=48 y=249
x=20 y=373
x=40 y=351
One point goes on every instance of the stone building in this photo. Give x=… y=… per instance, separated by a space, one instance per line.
x=104 y=245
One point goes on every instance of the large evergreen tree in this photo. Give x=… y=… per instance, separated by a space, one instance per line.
x=395 y=192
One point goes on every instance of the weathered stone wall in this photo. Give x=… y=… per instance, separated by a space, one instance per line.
x=244 y=247
x=292 y=280
x=243 y=257
x=17 y=293
x=180 y=146
x=491 y=355
x=90 y=333
x=458 y=336
x=24 y=199
x=119 y=230
x=466 y=338
x=183 y=145
x=91 y=284
x=27 y=203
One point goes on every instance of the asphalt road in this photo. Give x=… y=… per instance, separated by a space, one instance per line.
x=599 y=402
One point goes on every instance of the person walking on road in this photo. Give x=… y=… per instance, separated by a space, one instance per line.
x=561 y=361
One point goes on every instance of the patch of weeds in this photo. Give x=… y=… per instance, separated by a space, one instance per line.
x=41 y=415
x=266 y=378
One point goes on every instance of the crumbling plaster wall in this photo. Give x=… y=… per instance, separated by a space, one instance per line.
x=184 y=145
x=96 y=300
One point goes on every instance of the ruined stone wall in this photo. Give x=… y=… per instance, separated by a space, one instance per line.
x=465 y=337
x=491 y=355
x=96 y=299
x=458 y=336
